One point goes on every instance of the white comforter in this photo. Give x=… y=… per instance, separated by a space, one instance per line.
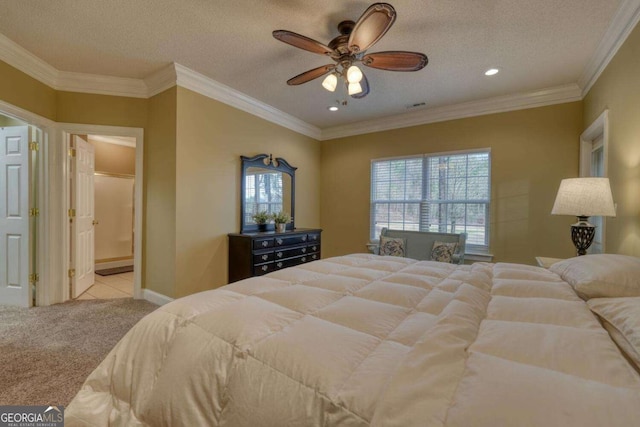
x=366 y=340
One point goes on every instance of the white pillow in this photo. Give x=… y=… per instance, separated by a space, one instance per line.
x=621 y=317
x=603 y=275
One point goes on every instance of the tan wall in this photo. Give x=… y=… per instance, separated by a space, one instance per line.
x=211 y=138
x=618 y=89
x=159 y=256
x=531 y=151
x=113 y=158
x=23 y=91
x=87 y=108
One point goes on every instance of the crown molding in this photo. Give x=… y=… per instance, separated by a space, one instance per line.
x=624 y=21
x=161 y=80
x=210 y=88
x=25 y=61
x=101 y=85
x=500 y=104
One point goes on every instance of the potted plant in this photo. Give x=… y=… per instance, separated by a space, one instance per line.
x=281 y=219
x=261 y=218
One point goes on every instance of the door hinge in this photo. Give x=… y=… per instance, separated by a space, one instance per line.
x=72 y=152
x=72 y=272
x=33 y=278
x=34 y=146
x=34 y=212
x=72 y=213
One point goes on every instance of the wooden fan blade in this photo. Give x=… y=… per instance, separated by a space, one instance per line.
x=396 y=61
x=302 y=42
x=372 y=25
x=364 y=83
x=310 y=75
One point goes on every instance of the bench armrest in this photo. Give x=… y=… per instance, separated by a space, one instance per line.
x=457 y=258
x=373 y=247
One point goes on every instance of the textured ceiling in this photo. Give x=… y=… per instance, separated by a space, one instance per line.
x=537 y=44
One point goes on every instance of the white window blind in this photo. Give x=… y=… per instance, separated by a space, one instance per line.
x=447 y=193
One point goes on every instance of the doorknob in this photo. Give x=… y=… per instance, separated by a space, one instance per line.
x=95 y=222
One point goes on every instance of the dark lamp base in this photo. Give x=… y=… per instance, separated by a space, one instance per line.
x=582 y=233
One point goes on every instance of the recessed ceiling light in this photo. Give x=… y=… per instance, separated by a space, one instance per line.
x=332 y=108
x=491 y=72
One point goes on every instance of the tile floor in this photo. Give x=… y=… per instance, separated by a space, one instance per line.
x=114 y=286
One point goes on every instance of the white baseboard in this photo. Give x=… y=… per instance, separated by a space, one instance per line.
x=155 y=297
x=113 y=264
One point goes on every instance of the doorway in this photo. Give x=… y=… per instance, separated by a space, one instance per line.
x=18 y=217
x=102 y=226
x=111 y=207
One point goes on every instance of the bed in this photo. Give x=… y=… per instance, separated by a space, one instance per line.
x=365 y=340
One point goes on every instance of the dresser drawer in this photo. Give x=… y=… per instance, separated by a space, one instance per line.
x=290 y=253
x=313 y=248
x=291 y=262
x=259 y=270
x=262 y=257
x=291 y=240
x=263 y=243
x=313 y=237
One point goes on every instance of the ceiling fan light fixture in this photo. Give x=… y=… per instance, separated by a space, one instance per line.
x=330 y=82
x=354 y=75
x=350 y=48
x=354 y=88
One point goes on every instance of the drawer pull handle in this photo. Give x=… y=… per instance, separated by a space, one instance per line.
x=265 y=267
x=304 y=259
x=314 y=248
x=265 y=257
x=265 y=243
x=279 y=254
x=279 y=265
x=304 y=250
x=279 y=241
x=304 y=238
x=314 y=256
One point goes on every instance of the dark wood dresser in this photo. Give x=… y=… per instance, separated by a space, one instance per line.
x=255 y=254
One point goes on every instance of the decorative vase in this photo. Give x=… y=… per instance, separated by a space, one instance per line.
x=281 y=228
x=262 y=227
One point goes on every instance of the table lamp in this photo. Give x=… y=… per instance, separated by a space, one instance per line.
x=584 y=197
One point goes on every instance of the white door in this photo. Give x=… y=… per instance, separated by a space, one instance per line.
x=82 y=230
x=15 y=240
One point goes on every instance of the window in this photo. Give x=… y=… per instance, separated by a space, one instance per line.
x=447 y=193
x=264 y=193
x=593 y=162
x=597 y=169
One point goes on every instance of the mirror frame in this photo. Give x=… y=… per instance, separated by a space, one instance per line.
x=266 y=161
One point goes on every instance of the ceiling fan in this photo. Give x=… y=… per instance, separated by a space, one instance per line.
x=350 y=48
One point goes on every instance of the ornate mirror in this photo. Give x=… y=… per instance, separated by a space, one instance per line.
x=267 y=184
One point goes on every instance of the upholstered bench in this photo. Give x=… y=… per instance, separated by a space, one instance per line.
x=419 y=244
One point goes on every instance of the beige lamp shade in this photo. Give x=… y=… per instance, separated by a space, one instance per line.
x=584 y=197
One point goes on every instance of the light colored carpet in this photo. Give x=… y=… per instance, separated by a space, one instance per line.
x=46 y=353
